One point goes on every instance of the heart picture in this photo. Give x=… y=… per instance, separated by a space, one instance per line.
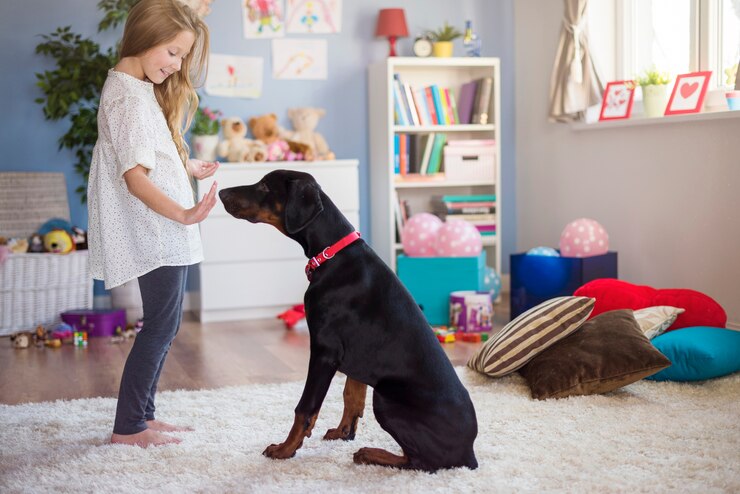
x=688 y=89
x=688 y=93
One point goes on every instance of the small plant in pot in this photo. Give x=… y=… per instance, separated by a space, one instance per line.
x=443 y=38
x=654 y=85
x=204 y=133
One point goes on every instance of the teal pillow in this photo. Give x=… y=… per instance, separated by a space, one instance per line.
x=698 y=353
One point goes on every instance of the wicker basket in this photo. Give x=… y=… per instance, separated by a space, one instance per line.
x=36 y=288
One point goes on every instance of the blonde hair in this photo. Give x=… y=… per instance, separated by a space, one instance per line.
x=151 y=23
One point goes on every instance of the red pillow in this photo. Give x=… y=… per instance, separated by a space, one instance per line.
x=611 y=294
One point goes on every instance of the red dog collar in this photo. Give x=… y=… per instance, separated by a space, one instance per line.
x=329 y=252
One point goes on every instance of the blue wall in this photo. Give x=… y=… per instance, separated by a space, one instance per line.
x=30 y=143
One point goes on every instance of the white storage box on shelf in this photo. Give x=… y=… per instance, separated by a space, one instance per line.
x=36 y=288
x=470 y=161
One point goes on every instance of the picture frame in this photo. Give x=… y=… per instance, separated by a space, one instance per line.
x=688 y=93
x=617 y=101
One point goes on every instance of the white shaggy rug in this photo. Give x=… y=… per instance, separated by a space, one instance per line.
x=647 y=437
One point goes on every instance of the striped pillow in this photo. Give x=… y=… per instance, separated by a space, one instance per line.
x=531 y=333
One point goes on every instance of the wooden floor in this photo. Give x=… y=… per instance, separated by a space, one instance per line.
x=203 y=356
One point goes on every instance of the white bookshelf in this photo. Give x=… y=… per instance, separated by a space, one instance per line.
x=445 y=72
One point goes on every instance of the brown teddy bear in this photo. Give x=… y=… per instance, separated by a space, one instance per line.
x=265 y=129
x=236 y=147
x=304 y=121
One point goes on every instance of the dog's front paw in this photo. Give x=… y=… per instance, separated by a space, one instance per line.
x=279 y=451
x=346 y=433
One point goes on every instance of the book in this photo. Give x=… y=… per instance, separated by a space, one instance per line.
x=480 y=114
x=438 y=109
x=424 y=165
x=445 y=106
x=396 y=154
x=397 y=215
x=465 y=103
x=435 y=158
x=421 y=106
x=399 y=114
x=451 y=107
x=413 y=112
x=466 y=197
x=403 y=156
x=406 y=110
x=430 y=105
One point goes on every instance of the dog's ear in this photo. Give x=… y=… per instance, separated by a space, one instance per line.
x=303 y=205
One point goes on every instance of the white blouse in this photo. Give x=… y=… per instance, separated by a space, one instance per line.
x=126 y=238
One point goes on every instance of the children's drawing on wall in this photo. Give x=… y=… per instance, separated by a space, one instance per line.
x=314 y=16
x=235 y=77
x=263 y=18
x=299 y=59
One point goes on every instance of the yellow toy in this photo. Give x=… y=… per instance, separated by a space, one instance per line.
x=58 y=241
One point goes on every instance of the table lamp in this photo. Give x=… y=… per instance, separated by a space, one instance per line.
x=391 y=24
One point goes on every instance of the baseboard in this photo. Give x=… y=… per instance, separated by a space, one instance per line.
x=733 y=325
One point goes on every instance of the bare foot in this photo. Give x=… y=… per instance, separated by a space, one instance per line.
x=160 y=426
x=143 y=439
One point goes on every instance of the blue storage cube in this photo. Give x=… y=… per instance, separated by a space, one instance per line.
x=431 y=279
x=535 y=279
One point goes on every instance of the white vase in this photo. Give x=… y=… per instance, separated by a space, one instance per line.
x=204 y=147
x=655 y=99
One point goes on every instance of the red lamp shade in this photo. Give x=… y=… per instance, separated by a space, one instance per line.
x=391 y=24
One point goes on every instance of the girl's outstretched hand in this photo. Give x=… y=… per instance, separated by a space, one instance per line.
x=202 y=169
x=200 y=211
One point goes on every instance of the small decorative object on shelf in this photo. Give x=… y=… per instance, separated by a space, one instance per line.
x=688 y=93
x=443 y=38
x=617 y=102
x=205 y=133
x=423 y=46
x=654 y=86
x=392 y=25
x=471 y=41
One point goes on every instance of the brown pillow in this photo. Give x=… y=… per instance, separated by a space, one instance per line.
x=606 y=353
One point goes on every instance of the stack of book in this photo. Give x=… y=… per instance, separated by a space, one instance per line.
x=418 y=154
x=434 y=105
x=478 y=210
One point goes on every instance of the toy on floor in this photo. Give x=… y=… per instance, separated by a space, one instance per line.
x=293 y=316
x=22 y=339
x=80 y=339
x=444 y=334
x=63 y=332
x=472 y=337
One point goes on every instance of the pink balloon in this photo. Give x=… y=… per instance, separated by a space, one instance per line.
x=419 y=233
x=583 y=237
x=458 y=238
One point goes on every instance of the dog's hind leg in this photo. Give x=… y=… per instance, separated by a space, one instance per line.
x=381 y=457
x=354 y=406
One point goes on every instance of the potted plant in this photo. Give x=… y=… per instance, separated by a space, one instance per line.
x=71 y=91
x=654 y=85
x=204 y=133
x=442 y=40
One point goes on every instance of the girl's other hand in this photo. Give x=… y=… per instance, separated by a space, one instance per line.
x=202 y=169
x=200 y=211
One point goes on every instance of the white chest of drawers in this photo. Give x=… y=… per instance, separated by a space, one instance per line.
x=252 y=271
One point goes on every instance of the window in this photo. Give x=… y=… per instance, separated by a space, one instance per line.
x=675 y=36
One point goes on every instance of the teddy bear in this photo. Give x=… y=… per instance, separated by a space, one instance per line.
x=236 y=147
x=304 y=121
x=265 y=129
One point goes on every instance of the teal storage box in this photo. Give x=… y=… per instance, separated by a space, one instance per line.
x=431 y=279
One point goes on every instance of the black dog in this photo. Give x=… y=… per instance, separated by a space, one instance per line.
x=363 y=323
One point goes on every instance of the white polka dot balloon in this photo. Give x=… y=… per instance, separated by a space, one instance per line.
x=583 y=237
x=458 y=238
x=419 y=233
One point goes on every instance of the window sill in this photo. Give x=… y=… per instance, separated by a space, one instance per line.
x=669 y=119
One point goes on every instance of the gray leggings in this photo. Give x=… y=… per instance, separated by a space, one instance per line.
x=162 y=292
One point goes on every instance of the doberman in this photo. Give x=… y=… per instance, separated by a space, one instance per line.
x=365 y=324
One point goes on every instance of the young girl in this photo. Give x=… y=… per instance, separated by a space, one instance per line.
x=143 y=222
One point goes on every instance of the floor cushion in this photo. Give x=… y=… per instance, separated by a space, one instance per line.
x=612 y=294
x=530 y=333
x=698 y=353
x=606 y=353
